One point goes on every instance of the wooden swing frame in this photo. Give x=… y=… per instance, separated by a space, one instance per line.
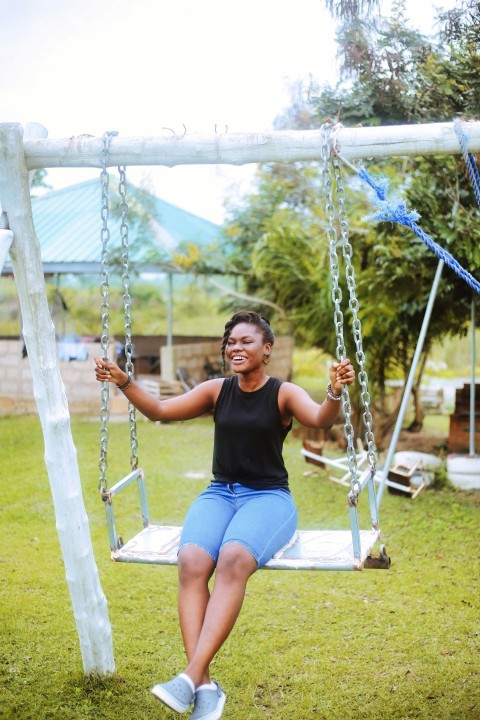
x=25 y=150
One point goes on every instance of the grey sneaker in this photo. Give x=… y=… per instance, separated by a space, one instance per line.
x=209 y=703
x=177 y=694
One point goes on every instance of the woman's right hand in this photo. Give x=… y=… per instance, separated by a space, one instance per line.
x=108 y=371
x=196 y=402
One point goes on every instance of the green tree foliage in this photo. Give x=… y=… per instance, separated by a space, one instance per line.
x=350 y=9
x=380 y=64
x=390 y=75
x=39 y=180
x=276 y=240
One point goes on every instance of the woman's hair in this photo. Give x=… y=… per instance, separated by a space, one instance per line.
x=253 y=318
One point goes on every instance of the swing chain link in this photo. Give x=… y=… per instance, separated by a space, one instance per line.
x=354 y=306
x=332 y=237
x=127 y=306
x=105 y=311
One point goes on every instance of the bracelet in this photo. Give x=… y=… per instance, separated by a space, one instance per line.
x=125 y=385
x=332 y=395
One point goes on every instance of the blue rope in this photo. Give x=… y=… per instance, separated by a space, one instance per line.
x=469 y=158
x=395 y=210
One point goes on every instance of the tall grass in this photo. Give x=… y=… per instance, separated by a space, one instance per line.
x=377 y=645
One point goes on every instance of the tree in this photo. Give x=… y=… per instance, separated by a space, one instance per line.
x=275 y=238
x=390 y=74
x=39 y=180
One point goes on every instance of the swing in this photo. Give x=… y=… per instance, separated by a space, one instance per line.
x=309 y=549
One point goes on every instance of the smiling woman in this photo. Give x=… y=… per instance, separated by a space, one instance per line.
x=244 y=340
x=247 y=513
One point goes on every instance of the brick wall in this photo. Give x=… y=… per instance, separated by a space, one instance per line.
x=16 y=389
x=16 y=385
x=459 y=435
x=83 y=391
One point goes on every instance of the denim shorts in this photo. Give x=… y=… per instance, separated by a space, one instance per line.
x=263 y=521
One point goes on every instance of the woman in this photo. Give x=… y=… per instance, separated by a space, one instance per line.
x=247 y=513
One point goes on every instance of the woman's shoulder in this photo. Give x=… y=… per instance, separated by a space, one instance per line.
x=214 y=384
x=210 y=387
x=289 y=389
x=286 y=384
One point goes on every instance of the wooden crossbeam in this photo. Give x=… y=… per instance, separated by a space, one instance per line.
x=244 y=148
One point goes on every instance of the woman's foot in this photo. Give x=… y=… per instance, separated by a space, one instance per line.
x=178 y=694
x=209 y=702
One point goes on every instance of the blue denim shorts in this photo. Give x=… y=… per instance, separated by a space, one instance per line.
x=263 y=521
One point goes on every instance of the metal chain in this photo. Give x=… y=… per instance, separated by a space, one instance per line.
x=105 y=311
x=127 y=306
x=332 y=237
x=356 y=324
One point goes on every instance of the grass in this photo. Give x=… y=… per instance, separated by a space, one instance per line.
x=377 y=645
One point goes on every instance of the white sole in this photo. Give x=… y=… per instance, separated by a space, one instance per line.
x=168 y=699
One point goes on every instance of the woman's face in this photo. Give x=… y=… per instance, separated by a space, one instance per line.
x=246 y=348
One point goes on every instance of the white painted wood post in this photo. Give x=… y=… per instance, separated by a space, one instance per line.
x=240 y=148
x=32 y=131
x=88 y=600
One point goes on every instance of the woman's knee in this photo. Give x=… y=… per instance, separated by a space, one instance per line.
x=235 y=562
x=194 y=564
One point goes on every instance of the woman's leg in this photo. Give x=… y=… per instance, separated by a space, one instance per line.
x=195 y=568
x=253 y=525
x=264 y=522
x=202 y=536
x=234 y=567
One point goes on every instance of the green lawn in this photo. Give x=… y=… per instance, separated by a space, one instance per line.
x=377 y=645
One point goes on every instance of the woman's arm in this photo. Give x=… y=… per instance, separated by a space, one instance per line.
x=297 y=403
x=199 y=400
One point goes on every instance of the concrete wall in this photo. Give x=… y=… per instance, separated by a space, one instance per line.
x=83 y=391
x=16 y=385
x=16 y=388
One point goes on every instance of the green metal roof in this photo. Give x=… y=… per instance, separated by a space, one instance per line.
x=68 y=224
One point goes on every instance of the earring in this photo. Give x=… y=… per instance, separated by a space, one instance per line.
x=266 y=359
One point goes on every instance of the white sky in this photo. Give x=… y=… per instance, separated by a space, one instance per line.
x=137 y=66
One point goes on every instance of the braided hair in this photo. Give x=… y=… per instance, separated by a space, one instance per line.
x=251 y=317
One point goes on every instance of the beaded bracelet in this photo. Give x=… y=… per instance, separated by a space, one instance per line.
x=125 y=385
x=332 y=395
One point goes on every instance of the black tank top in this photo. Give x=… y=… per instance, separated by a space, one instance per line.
x=249 y=436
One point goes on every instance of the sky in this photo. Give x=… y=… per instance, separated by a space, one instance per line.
x=138 y=67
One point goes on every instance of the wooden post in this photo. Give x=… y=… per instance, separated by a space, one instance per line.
x=88 y=600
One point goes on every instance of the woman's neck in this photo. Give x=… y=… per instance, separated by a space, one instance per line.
x=250 y=383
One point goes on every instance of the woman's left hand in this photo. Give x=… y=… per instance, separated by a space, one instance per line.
x=341 y=373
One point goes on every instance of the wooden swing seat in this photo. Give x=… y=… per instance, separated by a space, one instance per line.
x=309 y=549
